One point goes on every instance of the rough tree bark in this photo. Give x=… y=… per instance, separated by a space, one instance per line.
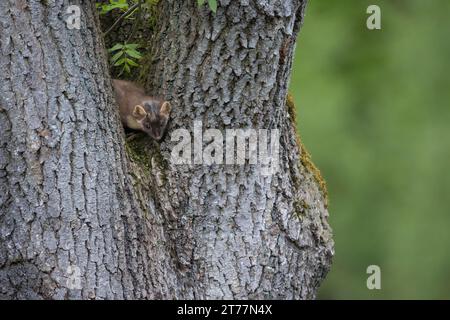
x=83 y=214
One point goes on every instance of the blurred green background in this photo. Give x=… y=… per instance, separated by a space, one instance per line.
x=374 y=111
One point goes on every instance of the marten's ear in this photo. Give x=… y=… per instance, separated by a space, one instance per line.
x=139 y=112
x=165 y=109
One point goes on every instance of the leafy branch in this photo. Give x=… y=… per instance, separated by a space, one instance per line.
x=125 y=56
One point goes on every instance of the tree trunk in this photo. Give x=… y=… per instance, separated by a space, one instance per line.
x=84 y=214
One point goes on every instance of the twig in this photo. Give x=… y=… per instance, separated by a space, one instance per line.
x=131 y=9
x=137 y=22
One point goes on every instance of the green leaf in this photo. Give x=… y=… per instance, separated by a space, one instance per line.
x=200 y=2
x=213 y=5
x=131 y=46
x=113 y=4
x=132 y=63
x=116 y=56
x=116 y=47
x=126 y=67
x=120 y=62
x=134 y=54
x=119 y=4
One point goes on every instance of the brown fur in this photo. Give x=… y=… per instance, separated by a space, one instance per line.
x=139 y=111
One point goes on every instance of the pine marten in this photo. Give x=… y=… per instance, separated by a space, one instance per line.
x=139 y=111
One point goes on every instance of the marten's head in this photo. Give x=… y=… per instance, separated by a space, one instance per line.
x=153 y=116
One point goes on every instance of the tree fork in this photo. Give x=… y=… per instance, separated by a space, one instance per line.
x=83 y=215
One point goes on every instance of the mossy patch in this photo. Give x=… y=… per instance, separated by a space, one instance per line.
x=145 y=153
x=290 y=104
x=148 y=168
x=137 y=149
x=300 y=208
x=305 y=157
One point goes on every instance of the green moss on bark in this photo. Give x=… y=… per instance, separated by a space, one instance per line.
x=145 y=153
x=305 y=157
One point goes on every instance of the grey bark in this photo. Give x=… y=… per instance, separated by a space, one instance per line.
x=84 y=215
